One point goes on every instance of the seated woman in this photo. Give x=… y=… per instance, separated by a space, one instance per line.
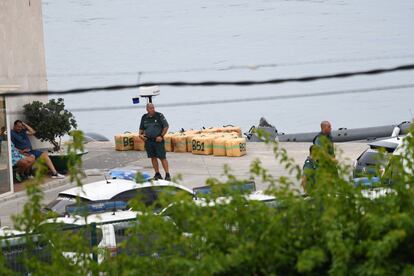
x=22 y=163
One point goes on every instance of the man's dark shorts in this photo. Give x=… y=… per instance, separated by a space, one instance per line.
x=155 y=149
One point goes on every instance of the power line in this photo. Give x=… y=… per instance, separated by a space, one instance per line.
x=225 y=68
x=253 y=99
x=246 y=67
x=213 y=83
x=314 y=62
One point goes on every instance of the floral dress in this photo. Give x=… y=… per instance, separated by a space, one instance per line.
x=16 y=155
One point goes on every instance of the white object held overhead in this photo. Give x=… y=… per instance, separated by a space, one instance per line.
x=149 y=91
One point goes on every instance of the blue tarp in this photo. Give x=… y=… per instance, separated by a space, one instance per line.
x=242 y=187
x=367 y=181
x=96 y=207
x=128 y=174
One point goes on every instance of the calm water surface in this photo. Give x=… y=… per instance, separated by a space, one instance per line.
x=97 y=43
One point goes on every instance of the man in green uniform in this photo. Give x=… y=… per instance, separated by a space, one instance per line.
x=326 y=153
x=152 y=129
x=309 y=171
x=324 y=139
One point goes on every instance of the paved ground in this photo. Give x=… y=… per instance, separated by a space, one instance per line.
x=195 y=169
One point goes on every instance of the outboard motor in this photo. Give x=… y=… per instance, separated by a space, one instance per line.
x=263 y=123
x=265 y=128
x=405 y=127
x=395 y=131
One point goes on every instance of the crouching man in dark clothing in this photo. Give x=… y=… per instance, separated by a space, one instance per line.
x=152 y=129
x=309 y=171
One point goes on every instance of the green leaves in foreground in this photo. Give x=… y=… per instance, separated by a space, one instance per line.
x=335 y=231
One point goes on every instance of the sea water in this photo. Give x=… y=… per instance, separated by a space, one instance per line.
x=99 y=43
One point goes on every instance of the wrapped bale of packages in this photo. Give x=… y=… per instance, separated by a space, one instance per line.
x=192 y=131
x=124 y=141
x=219 y=146
x=219 y=143
x=236 y=147
x=168 y=142
x=189 y=137
x=211 y=130
x=179 y=142
x=203 y=144
x=139 y=144
x=233 y=134
x=232 y=129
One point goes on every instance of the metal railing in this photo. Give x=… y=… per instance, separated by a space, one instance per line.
x=19 y=249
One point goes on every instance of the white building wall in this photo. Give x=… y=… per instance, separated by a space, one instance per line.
x=22 y=51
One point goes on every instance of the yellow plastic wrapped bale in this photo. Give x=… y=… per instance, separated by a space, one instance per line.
x=179 y=142
x=168 y=142
x=230 y=134
x=232 y=129
x=219 y=143
x=236 y=147
x=211 y=130
x=219 y=146
x=189 y=137
x=202 y=144
x=191 y=131
x=139 y=144
x=233 y=134
x=124 y=141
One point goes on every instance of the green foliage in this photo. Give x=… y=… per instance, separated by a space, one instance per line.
x=335 y=231
x=74 y=161
x=310 y=259
x=50 y=120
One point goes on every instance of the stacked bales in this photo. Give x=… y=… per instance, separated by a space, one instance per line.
x=219 y=143
x=211 y=130
x=124 y=141
x=139 y=144
x=225 y=141
x=236 y=147
x=203 y=143
x=231 y=129
x=219 y=146
x=189 y=138
x=179 y=142
x=168 y=142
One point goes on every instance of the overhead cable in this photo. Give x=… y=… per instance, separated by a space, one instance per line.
x=243 y=67
x=252 y=66
x=252 y=99
x=213 y=83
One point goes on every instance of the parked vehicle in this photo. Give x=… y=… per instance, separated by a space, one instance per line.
x=256 y=196
x=381 y=185
x=373 y=160
x=370 y=163
x=112 y=192
x=378 y=192
x=173 y=211
x=247 y=187
x=110 y=231
x=14 y=247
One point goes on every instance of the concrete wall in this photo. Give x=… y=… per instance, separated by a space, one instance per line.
x=22 y=51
